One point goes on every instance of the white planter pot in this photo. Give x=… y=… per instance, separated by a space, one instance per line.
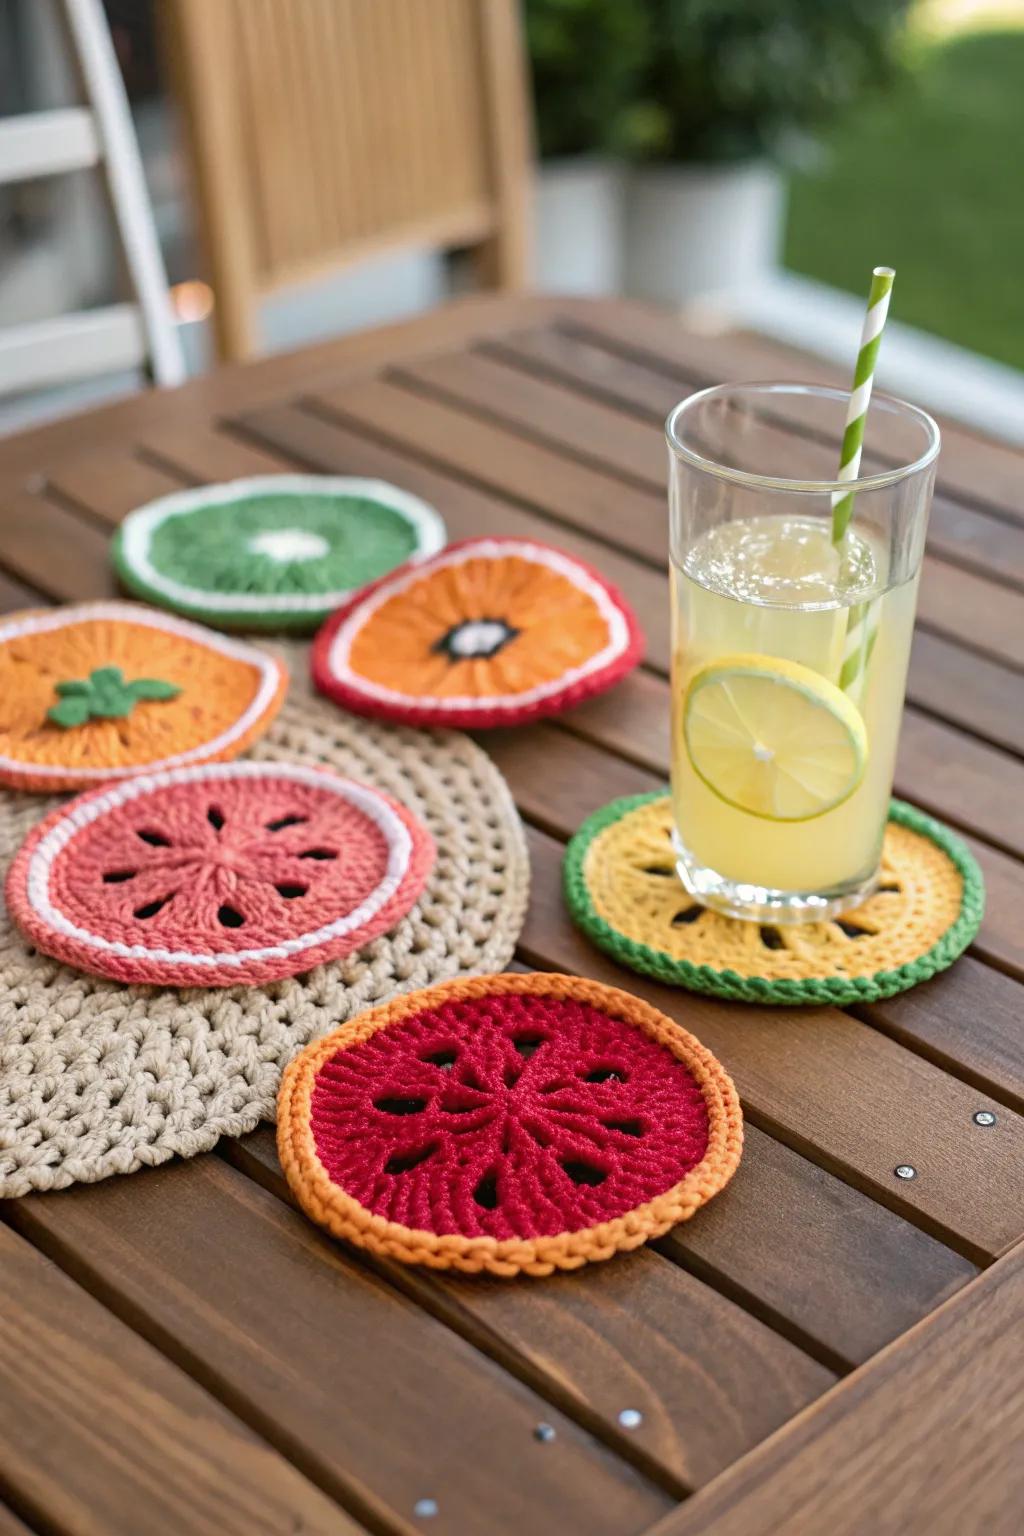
x=691 y=230
x=578 y=226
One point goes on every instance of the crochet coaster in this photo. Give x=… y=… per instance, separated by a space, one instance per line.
x=275 y=552
x=99 y=1078
x=622 y=890
x=104 y=691
x=491 y=632
x=519 y=1123
x=218 y=875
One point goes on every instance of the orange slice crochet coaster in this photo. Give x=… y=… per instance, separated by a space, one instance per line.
x=104 y=691
x=221 y=874
x=516 y=1123
x=490 y=632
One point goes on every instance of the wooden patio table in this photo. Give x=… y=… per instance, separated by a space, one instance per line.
x=825 y=1350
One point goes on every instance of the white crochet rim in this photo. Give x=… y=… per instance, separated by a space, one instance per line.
x=136 y=535
x=339 y=665
x=81 y=814
x=268 y=669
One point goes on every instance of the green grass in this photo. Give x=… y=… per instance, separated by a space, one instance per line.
x=930 y=180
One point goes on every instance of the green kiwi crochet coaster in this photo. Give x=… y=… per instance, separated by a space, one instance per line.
x=622 y=889
x=275 y=552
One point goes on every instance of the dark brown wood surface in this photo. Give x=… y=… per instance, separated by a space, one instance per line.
x=181 y=1350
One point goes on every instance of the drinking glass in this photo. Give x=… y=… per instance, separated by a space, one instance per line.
x=790 y=651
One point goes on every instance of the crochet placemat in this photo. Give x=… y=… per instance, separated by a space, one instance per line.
x=623 y=891
x=519 y=1123
x=491 y=632
x=99 y=1078
x=222 y=875
x=274 y=552
x=103 y=691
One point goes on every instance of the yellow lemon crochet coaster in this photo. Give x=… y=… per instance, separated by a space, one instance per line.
x=622 y=889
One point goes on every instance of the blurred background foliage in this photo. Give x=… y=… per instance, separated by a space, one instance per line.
x=901 y=123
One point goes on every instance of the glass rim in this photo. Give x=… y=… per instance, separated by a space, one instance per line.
x=776 y=483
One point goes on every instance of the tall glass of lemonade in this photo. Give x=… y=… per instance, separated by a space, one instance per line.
x=790 y=651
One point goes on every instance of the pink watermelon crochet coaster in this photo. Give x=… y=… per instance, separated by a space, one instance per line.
x=218 y=874
x=516 y=1123
x=490 y=632
x=104 y=691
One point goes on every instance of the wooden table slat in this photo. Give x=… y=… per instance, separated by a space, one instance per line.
x=99 y=1427
x=335 y=1366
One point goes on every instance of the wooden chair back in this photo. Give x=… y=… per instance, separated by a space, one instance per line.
x=140 y=334
x=323 y=132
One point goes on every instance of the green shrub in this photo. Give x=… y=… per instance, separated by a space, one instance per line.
x=704 y=79
x=587 y=58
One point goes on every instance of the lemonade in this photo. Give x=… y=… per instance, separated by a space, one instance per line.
x=782 y=763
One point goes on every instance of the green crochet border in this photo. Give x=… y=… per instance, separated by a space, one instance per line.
x=202 y=613
x=761 y=989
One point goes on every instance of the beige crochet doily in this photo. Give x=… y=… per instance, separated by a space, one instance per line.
x=98 y=1078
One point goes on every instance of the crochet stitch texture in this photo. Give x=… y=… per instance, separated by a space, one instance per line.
x=271 y=552
x=99 y=1078
x=622 y=890
x=518 y=1123
x=216 y=696
x=219 y=875
x=493 y=631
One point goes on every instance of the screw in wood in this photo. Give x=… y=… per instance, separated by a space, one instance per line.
x=425 y=1509
x=983 y=1117
x=544 y=1432
x=631 y=1418
x=905 y=1171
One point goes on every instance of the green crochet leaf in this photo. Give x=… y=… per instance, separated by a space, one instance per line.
x=69 y=712
x=153 y=688
x=105 y=696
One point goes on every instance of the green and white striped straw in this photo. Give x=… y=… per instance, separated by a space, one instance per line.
x=861 y=624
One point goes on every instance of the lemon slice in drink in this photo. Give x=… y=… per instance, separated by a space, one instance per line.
x=773 y=737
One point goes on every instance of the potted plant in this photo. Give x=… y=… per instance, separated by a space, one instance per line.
x=586 y=58
x=732 y=88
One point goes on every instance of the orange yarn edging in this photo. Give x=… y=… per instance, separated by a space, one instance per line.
x=328 y=1204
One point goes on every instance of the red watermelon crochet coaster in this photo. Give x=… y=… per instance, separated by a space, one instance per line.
x=102 y=691
x=218 y=875
x=518 y=1123
x=490 y=632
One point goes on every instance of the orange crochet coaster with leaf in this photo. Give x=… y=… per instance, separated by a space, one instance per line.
x=491 y=631
x=515 y=1123
x=104 y=691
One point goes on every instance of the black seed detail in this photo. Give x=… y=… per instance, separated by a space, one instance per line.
x=318 y=853
x=285 y=821
x=400 y=1106
x=771 y=938
x=153 y=907
x=215 y=818
x=605 y=1075
x=289 y=892
x=403 y=1162
x=447 y=645
x=229 y=917
x=584 y=1173
x=527 y=1044
x=658 y=869
x=118 y=876
x=155 y=839
x=627 y=1127
x=486 y=1192
x=687 y=915
x=443 y=1059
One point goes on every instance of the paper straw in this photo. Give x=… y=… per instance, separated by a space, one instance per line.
x=862 y=619
x=860 y=397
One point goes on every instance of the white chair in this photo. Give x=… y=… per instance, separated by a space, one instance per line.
x=119 y=337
